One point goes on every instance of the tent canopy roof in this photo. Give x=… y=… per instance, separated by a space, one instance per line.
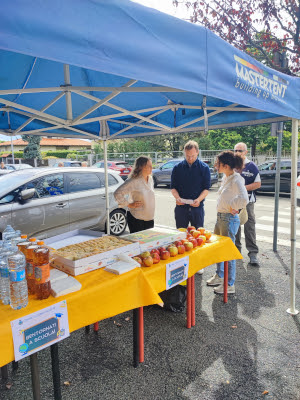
x=97 y=69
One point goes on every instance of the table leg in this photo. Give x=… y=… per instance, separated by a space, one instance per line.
x=87 y=329
x=135 y=324
x=193 y=319
x=4 y=372
x=96 y=326
x=225 y=281
x=55 y=371
x=141 y=334
x=189 y=303
x=15 y=365
x=35 y=377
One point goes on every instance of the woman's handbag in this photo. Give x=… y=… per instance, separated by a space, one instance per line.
x=243 y=215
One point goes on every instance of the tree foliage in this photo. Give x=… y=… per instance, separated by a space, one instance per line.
x=32 y=150
x=266 y=29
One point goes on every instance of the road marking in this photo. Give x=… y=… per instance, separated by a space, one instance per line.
x=288 y=213
x=280 y=242
x=270 y=228
x=281 y=220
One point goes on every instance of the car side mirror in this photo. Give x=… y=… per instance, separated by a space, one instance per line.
x=27 y=194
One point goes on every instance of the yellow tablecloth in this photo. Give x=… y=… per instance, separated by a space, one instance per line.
x=221 y=249
x=104 y=295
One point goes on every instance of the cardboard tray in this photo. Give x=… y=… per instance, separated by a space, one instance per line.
x=87 y=264
x=155 y=237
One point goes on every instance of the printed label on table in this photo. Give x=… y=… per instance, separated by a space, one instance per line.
x=177 y=272
x=39 y=330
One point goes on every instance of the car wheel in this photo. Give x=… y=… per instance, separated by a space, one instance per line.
x=154 y=182
x=117 y=222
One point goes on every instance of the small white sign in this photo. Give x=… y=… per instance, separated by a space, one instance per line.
x=41 y=329
x=177 y=272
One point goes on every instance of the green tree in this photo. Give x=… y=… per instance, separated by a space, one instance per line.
x=32 y=150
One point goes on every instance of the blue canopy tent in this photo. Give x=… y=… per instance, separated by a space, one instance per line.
x=115 y=69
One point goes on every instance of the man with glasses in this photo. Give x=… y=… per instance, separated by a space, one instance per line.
x=252 y=182
x=190 y=181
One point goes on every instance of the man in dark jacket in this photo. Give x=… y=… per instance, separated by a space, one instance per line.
x=251 y=175
x=190 y=183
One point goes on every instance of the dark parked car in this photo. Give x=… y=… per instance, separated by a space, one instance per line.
x=122 y=167
x=267 y=173
x=162 y=175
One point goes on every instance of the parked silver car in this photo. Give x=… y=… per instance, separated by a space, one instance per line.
x=47 y=202
x=13 y=167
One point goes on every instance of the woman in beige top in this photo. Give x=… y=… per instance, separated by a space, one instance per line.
x=137 y=193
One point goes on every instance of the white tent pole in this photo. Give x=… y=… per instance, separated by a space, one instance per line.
x=12 y=149
x=104 y=132
x=292 y=310
x=68 y=93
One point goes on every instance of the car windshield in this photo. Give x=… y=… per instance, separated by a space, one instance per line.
x=10 y=181
x=122 y=165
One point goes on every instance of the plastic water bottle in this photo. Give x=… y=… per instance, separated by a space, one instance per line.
x=8 y=233
x=18 y=284
x=6 y=250
x=17 y=237
x=28 y=252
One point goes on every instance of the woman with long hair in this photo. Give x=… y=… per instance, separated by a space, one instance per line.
x=137 y=193
x=232 y=197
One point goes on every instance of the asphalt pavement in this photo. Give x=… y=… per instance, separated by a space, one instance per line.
x=246 y=349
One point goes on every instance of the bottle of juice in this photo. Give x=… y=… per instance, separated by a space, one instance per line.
x=42 y=271
x=23 y=243
x=28 y=252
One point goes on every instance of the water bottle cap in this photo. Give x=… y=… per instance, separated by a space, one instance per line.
x=32 y=239
x=24 y=236
x=40 y=242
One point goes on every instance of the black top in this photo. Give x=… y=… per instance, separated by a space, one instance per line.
x=190 y=180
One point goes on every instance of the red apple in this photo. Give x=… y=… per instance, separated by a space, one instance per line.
x=156 y=258
x=148 y=261
x=200 y=241
x=181 y=249
x=194 y=242
x=203 y=238
x=161 y=249
x=188 y=246
x=173 y=251
x=196 y=234
x=178 y=243
x=145 y=254
x=190 y=228
x=188 y=236
x=154 y=251
x=184 y=241
x=165 y=255
x=201 y=230
x=207 y=234
x=138 y=259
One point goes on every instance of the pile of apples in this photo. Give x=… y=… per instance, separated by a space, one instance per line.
x=194 y=237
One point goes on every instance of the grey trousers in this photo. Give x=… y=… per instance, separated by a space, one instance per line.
x=249 y=231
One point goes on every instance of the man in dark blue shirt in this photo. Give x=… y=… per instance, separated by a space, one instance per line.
x=190 y=183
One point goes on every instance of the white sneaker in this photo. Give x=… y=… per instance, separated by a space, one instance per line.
x=214 y=280
x=200 y=272
x=220 y=289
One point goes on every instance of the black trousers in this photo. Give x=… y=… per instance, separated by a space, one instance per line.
x=136 y=225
